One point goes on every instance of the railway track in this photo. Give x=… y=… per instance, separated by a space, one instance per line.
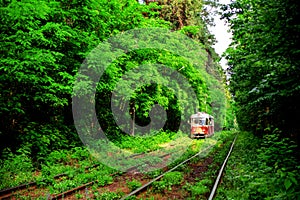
x=7 y=193
x=66 y=194
x=214 y=189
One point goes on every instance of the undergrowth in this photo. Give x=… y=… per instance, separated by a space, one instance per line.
x=19 y=168
x=262 y=168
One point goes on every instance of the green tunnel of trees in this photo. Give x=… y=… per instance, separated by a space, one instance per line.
x=44 y=43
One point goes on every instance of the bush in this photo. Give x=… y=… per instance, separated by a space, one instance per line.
x=170 y=179
x=16 y=169
x=266 y=168
x=134 y=184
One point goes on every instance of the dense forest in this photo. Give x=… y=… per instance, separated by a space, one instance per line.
x=43 y=45
x=264 y=72
x=264 y=65
x=50 y=78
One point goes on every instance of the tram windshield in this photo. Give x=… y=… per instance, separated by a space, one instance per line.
x=199 y=121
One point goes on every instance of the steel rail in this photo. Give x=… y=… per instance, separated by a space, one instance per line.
x=7 y=192
x=213 y=191
x=69 y=192
x=160 y=176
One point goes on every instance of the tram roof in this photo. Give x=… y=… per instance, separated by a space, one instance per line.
x=201 y=114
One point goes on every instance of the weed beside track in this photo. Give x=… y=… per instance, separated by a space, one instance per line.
x=96 y=181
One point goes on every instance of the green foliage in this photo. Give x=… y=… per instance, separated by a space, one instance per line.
x=17 y=167
x=169 y=179
x=42 y=46
x=275 y=148
x=174 y=100
x=134 y=184
x=76 y=165
x=261 y=169
x=264 y=63
x=75 y=155
x=173 y=178
x=190 y=17
x=139 y=144
x=109 y=196
x=199 y=188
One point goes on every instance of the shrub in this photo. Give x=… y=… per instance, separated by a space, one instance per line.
x=170 y=179
x=134 y=184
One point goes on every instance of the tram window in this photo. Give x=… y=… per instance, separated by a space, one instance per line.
x=199 y=121
x=195 y=121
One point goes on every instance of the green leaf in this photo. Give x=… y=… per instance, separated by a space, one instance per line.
x=287 y=184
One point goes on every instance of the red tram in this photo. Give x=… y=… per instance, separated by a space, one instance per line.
x=202 y=125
